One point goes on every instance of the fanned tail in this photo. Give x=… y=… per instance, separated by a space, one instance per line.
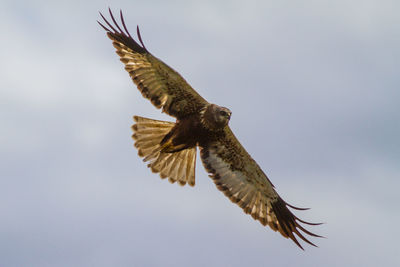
x=178 y=166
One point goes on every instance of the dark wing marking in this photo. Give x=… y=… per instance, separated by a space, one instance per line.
x=240 y=178
x=156 y=81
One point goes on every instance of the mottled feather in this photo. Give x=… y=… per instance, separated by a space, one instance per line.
x=177 y=167
x=170 y=148
x=240 y=178
x=158 y=82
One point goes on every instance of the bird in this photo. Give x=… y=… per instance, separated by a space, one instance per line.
x=170 y=148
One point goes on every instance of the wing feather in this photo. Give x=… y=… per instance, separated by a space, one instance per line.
x=242 y=180
x=159 y=83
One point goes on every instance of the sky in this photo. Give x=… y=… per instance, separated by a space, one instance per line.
x=314 y=88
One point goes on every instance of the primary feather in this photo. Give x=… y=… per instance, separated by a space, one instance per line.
x=159 y=83
x=170 y=148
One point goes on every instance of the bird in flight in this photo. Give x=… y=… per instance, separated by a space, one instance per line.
x=170 y=148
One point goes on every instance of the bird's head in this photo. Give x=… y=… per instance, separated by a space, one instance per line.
x=222 y=115
x=216 y=117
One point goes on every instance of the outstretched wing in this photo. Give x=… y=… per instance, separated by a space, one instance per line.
x=156 y=81
x=240 y=178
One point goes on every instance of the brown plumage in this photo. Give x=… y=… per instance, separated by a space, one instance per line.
x=170 y=148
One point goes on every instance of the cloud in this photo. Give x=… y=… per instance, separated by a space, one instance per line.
x=313 y=89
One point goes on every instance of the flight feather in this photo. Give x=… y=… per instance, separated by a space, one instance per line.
x=158 y=82
x=170 y=148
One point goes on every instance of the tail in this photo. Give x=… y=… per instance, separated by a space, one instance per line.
x=178 y=166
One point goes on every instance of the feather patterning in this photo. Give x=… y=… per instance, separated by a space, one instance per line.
x=170 y=148
x=156 y=81
x=240 y=178
x=178 y=167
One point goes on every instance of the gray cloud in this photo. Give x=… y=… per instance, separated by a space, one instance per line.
x=314 y=94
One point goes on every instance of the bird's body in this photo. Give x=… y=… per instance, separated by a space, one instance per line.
x=170 y=148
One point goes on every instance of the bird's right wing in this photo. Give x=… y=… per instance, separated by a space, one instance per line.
x=156 y=81
x=240 y=178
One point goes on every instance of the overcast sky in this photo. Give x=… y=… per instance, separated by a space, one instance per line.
x=314 y=87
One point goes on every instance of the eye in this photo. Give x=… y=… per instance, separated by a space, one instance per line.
x=223 y=113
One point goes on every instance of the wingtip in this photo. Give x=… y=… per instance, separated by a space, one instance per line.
x=140 y=37
x=290 y=224
x=294 y=239
x=104 y=27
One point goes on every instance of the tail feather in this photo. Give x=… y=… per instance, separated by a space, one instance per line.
x=178 y=166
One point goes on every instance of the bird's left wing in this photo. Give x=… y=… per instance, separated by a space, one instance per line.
x=159 y=83
x=240 y=178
